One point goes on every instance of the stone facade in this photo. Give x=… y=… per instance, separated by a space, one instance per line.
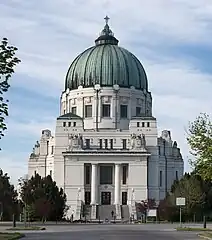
x=84 y=146
x=106 y=149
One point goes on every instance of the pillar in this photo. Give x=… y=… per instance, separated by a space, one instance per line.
x=93 y=183
x=117 y=184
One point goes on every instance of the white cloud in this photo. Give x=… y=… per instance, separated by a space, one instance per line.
x=49 y=37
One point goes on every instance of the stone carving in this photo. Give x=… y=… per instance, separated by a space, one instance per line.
x=166 y=135
x=124 y=100
x=106 y=99
x=46 y=133
x=138 y=141
x=88 y=100
x=74 y=141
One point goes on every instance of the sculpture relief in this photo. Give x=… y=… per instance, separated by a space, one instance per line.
x=74 y=142
x=138 y=141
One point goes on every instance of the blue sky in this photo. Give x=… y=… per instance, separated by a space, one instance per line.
x=172 y=39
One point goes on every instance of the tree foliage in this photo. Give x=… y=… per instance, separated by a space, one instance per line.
x=8 y=61
x=197 y=193
x=200 y=140
x=9 y=204
x=43 y=195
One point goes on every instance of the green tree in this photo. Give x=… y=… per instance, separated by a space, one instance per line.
x=8 y=61
x=9 y=204
x=192 y=188
x=200 y=141
x=48 y=200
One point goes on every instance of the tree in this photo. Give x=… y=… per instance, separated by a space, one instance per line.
x=48 y=200
x=200 y=141
x=9 y=204
x=192 y=188
x=8 y=61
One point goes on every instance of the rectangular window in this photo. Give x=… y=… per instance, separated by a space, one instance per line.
x=47 y=148
x=100 y=143
x=106 y=174
x=111 y=143
x=124 y=143
x=161 y=178
x=143 y=124
x=50 y=173
x=159 y=152
x=74 y=110
x=138 y=111
x=138 y=124
x=123 y=111
x=64 y=124
x=106 y=110
x=74 y=124
x=52 y=150
x=88 y=111
x=148 y=124
x=176 y=175
x=124 y=175
x=87 y=174
x=87 y=143
x=124 y=198
x=69 y=124
x=87 y=198
x=106 y=144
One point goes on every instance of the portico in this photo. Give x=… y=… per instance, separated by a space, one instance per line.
x=105 y=184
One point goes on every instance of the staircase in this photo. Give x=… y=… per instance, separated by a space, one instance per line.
x=87 y=212
x=104 y=212
x=125 y=212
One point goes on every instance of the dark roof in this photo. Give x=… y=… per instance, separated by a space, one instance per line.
x=144 y=118
x=69 y=116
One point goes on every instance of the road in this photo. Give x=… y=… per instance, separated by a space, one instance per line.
x=111 y=232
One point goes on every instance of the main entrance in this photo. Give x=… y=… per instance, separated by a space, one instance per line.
x=106 y=198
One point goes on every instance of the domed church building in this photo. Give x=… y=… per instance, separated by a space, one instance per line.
x=106 y=153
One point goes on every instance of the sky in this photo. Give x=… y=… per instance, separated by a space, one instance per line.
x=171 y=38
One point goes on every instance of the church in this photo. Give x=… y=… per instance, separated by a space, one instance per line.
x=106 y=152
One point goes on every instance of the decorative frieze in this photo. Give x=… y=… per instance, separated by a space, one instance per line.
x=124 y=100
x=106 y=99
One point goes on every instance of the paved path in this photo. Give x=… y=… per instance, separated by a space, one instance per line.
x=111 y=232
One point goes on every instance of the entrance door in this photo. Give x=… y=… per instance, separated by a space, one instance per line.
x=106 y=198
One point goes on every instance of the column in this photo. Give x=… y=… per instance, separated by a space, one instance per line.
x=117 y=184
x=93 y=183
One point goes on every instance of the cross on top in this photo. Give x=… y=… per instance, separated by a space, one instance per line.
x=106 y=19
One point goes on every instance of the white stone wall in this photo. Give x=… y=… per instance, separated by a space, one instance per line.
x=147 y=171
x=87 y=96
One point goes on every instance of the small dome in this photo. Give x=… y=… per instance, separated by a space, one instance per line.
x=106 y=64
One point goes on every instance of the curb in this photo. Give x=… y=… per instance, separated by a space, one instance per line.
x=204 y=237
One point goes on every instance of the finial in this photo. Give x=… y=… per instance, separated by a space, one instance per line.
x=106 y=19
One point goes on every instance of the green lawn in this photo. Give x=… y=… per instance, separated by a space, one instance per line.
x=206 y=234
x=10 y=236
x=193 y=229
x=29 y=228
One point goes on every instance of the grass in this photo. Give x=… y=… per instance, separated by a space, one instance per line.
x=193 y=229
x=29 y=228
x=206 y=234
x=10 y=236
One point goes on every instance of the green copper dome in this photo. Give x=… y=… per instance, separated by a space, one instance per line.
x=106 y=64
